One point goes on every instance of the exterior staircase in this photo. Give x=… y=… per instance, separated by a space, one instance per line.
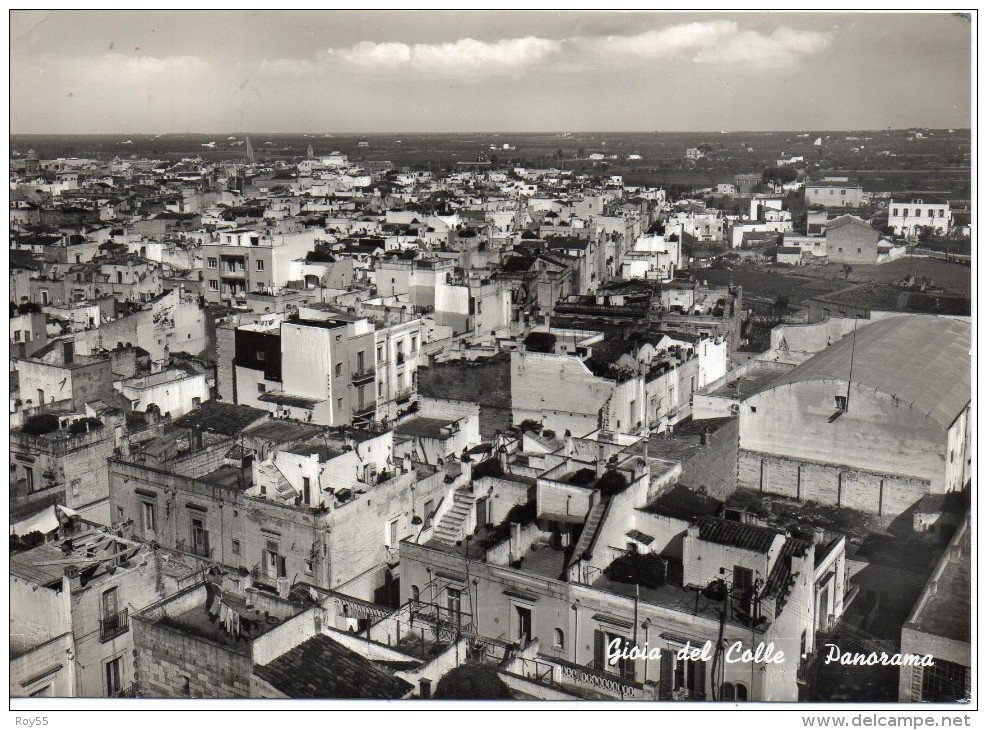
x=588 y=535
x=450 y=526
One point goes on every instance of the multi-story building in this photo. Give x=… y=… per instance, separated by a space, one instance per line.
x=248 y=260
x=834 y=194
x=909 y=216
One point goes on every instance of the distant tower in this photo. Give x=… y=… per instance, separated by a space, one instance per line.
x=311 y=153
x=250 y=151
x=31 y=165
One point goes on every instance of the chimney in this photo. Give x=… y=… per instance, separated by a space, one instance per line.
x=693 y=531
x=502 y=457
x=425 y=688
x=818 y=535
x=406 y=463
x=601 y=462
x=706 y=437
x=516 y=541
x=71 y=579
x=569 y=448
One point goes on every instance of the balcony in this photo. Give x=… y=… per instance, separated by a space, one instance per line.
x=113 y=626
x=364 y=375
x=402 y=395
x=368 y=408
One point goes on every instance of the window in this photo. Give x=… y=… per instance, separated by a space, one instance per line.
x=114 y=677
x=380 y=388
x=200 y=538
x=260 y=265
x=274 y=564
x=944 y=682
x=359 y=360
x=454 y=598
x=479 y=306
x=236 y=547
x=261 y=388
x=522 y=625
x=380 y=354
x=858 y=250
x=339 y=404
x=840 y=403
x=414 y=344
x=558 y=641
x=733 y=692
x=213 y=285
x=841 y=249
x=113 y=621
x=942 y=213
x=187 y=686
x=212 y=262
x=608 y=650
x=306 y=490
x=689 y=675
x=895 y=212
x=17 y=335
x=743 y=579
x=339 y=369
x=147 y=516
x=753 y=409
x=29 y=478
x=904 y=212
x=415 y=594
x=260 y=355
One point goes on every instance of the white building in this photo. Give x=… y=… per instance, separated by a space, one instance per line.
x=909 y=215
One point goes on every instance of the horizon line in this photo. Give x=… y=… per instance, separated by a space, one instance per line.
x=547 y=131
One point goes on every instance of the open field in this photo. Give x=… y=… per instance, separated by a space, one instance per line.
x=883 y=160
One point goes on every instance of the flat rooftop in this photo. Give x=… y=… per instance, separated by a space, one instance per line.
x=947 y=612
x=432 y=428
x=750 y=383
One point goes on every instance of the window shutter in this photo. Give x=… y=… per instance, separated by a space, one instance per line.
x=599 y=650
x=627 y=666
x=698 y=680
x=665 y=675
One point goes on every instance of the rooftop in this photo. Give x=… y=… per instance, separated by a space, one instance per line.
x=224 y=418
x=946 y=612
x=433 y=428
x=323 y=668
x=924 y=361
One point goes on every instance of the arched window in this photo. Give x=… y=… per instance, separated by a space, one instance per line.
x=415 y=594
x=559 y=639
x=733 y=692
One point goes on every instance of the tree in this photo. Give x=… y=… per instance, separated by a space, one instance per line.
x=581 y=152
x=782 y=175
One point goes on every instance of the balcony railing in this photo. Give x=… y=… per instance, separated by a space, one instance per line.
x=360 y=376
x=403 y=394
x=113 y=625
x=126 y=692
x=365 y=408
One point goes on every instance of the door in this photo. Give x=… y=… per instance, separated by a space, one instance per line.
x=481 y=512
x=523 y=634
x=114 y=677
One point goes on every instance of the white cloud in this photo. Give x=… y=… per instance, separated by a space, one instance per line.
x=667 y=42
x=463 y=56
x=378 y=54
x=720 y=41
x=782 y=49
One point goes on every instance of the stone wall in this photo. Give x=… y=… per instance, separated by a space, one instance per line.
x=487 y=383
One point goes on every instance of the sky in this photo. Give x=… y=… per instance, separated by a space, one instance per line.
x=159 y=72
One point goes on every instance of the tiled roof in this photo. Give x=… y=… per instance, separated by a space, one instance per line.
x=737 y=534
x=323 y=668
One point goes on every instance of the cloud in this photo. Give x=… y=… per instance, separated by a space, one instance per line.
x=712 y=42
x=463 y=56
x=720 y=41
x=665 y=43
x=784 y=48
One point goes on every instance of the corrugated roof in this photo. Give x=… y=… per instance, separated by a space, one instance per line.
x=922 y=360
x=737 y=534
x=325 y=669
